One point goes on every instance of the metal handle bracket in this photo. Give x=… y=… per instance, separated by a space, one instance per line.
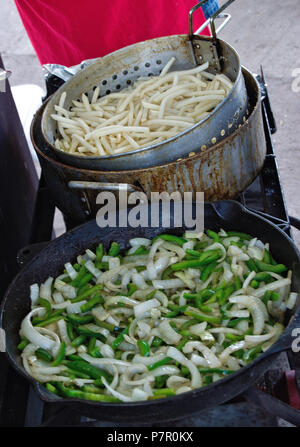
x=211 y=21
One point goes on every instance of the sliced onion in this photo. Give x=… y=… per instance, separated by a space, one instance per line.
x=99 y=330
x=238 y=313
x=255 y=309
x=107 y=351
x=144 y=330
x=139 y=281
x=252 y=242
x=168 y=283
x=175 y=382
x=255 y=252
x=148 y=360
x=114 y=263
x=248 y=280
x=39 y=368
x=243 y=326
x=74 y=308
x=139 y=395
x=165 y=370
x=90 y=266
x=179 y=357
x=198 y=328
x=142 y=308
x=45 y=289
x=62 y=327
x=217 y=246
x=90 y=254
x=33 y=335
x=183 y=389
x=138 y=241
x=58 y=298
x=253 y=340
x=185 y=279
x=189 y=245
x=61 y=305
x=135 y=260
x=193 y=235
x=272 y=286
x=226 y=241
x=100 y=313
x=232 y=348
x=66 y=289
x=278 y=331
x=233 y=363
x=120 y=299
x=175 y=248
x=224 y=330
x=160 y=265
x=199 y=361
x=126 y=277
x=290 y=304
x=82 y=382
x=168 y=334
x=34 y=294
x=182 y=301
x=233 y=250
x=115 y=393
x=227 y=275
x=162 y=297
x=207 y=353
x=260 y=245
x=103 y=362
x=70 y=270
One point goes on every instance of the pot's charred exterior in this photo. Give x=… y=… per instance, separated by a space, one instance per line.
x=221 y=172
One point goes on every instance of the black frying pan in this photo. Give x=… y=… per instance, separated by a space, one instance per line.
x=229 y=215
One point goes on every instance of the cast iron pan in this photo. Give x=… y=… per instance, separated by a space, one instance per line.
x=229 y=215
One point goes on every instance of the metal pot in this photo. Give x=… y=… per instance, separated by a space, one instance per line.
x=222 y=171
x=120 y=68
x=50 y=261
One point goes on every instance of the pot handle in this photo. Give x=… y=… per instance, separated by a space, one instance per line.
x=86 y=189
x=103 y=186
x=211 y=21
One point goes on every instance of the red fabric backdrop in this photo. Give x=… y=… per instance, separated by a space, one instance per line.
x=69 y=31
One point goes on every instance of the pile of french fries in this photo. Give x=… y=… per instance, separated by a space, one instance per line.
x=152 y=110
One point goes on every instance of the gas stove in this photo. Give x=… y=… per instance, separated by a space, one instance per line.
x=273 y=401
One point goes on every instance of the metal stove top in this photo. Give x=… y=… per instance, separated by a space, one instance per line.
x=259 y=406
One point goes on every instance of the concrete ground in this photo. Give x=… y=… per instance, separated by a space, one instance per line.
x=264 y=32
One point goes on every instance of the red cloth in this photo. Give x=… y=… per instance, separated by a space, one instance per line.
x=69 y=31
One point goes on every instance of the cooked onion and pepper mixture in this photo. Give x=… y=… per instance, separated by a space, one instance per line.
x=167 y=316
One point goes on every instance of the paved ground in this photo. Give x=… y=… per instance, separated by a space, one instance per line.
x=263 y=32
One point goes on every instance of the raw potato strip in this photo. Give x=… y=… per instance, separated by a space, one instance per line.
x=151 y=111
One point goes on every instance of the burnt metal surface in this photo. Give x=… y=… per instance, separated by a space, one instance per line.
x=229 y=215
x=222 y=171
x=145 y=59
